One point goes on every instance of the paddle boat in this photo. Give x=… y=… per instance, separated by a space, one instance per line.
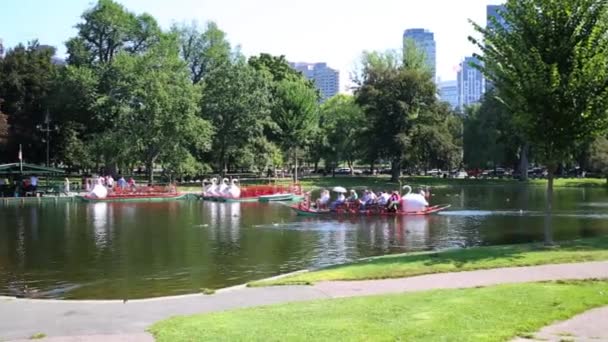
x=133 y=194
x=409 y=205
x=230 y=191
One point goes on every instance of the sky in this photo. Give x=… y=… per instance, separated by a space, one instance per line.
x=331 y=31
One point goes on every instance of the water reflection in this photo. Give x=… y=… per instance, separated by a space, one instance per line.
x=119 y=250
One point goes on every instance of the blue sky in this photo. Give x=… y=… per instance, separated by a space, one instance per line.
x=332 y=31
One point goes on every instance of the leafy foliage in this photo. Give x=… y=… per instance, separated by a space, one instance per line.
x=393 y=90
x=236 y=100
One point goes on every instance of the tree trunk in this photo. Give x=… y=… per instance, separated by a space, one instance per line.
x=150 y=169
x=395 y=169
x=523 y=162
x=549 y=208
x=371 y=167
x=295 y=162
x=350 y=166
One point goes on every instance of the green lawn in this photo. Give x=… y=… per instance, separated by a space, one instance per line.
x=496 y=313
x=383 y=182
x=407 y=265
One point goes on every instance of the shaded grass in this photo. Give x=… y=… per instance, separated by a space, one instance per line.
x=496 y=313
x=383 y=182
x=407 y=265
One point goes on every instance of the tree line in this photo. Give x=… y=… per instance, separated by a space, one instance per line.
x=185 y=100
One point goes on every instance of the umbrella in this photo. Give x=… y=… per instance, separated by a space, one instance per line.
x=339 y=190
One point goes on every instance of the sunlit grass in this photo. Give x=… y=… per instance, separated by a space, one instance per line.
x=407 y=265
x=497 y=313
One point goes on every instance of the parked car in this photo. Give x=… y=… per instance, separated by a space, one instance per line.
x=434 y=173
x=459 y=174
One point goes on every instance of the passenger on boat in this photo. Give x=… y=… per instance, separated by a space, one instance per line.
x=323 y=200
x=132 y=183
x=369 y=198
x=383 y=198
x=122 y=183
x=353 y=196
x=339 y=201
x=393 y=202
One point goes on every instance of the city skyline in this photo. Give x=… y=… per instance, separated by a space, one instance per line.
x=326 y=79
x=336 y=35
x=424 y=40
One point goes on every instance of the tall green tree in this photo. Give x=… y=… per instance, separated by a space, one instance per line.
x=436 y=138
x=107 y=29
x=156 y=107
x=26 y=81
x=236 y=100
x=598 y=156
x=296 y=116
x=202 y=50
x=549 y=65
x=343 y=126
x=392 y=90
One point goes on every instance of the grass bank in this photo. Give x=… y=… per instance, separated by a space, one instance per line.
x=408 y=265
x=496 y=313
x=383 y=182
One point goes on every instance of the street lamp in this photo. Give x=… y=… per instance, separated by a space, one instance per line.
x=46 y=128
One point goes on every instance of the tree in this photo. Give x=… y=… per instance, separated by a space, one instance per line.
x=436 y=138
x=26 y=79
x=203 y=51
x=236 y=100
x=109 y=28
x=343 y=125
x=157 y=107
x=549 y=65
x=296 y=116
x=393 y=90
x=598 y=156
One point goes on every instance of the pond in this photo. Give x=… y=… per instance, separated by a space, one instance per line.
x=136 y=250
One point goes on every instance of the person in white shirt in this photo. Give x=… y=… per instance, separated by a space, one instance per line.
x=33 y=183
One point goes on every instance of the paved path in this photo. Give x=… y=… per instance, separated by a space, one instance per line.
x=118 y=321
x=588 y=326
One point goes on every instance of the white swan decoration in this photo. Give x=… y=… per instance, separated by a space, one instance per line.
x=233 y=191
x=211 y=189
x=413 y=202
x=222 y=187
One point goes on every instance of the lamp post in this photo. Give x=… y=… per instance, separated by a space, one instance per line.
x=47 y=129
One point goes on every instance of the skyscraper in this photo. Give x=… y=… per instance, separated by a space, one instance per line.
x=492 y=11
x=326 y=79
x=448 y=92
x=471 y=84
x=425 y=41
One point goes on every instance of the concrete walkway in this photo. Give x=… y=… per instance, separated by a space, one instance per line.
x=118 y=321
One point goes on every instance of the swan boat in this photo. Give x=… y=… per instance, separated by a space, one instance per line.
x=230 y=191
x=409 y=205
x=139 y=194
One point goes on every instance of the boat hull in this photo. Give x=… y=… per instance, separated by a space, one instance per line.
x=313 y=212
x=277 y=198
x=136 y=198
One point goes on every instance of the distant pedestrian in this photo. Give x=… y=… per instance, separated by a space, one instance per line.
x=33 y=183
x=66 y=186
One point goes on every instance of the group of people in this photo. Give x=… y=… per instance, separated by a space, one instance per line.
x=390 y=201
x=109 y=182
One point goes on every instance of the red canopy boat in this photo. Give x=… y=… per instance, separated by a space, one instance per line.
x=252 y=193
x=304 y=209
x=141 y=193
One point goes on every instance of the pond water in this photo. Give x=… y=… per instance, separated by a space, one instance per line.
x=136 y=250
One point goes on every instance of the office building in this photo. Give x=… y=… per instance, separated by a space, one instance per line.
x=425 y=41
x=492 y=11
x=326 y=79
x=471 y=83
x=448 y=92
